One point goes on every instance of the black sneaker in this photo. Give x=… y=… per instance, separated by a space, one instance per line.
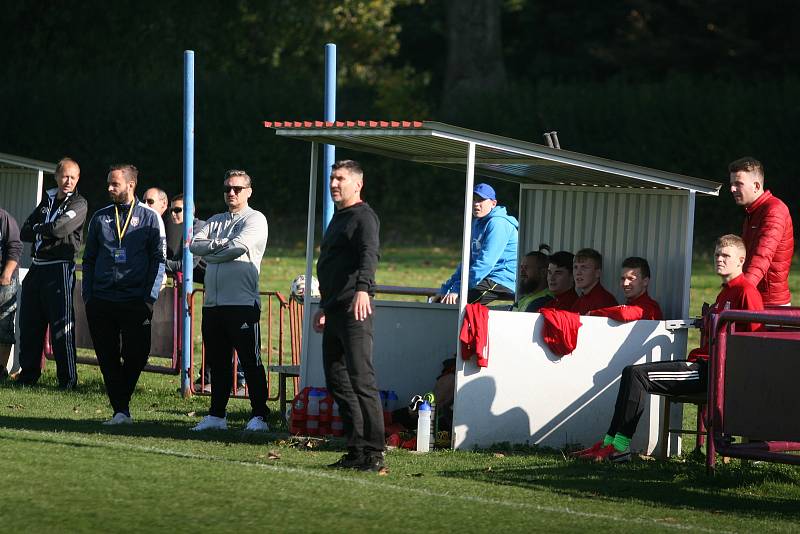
x=349 y=461
x=373 y=464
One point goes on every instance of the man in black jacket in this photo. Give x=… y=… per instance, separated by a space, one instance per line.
x=346 y=272
x=54 y=228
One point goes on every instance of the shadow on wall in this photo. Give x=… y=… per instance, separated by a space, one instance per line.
x=501 y=424
x=602 y=390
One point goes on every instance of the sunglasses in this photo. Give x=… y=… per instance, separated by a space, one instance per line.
x=235 y=188
x=150 y=201
x=176 y=210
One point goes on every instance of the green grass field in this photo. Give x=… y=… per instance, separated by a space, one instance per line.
x=64 y=472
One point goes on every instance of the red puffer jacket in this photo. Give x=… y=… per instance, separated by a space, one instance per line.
x=769 y=237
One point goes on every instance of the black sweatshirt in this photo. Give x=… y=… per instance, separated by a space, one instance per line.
x=55 y=227
x=348 y=256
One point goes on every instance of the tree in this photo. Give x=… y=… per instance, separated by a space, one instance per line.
x=475 y=64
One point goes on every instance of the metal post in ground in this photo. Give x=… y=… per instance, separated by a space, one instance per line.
x=188 y=217
x=329 y=152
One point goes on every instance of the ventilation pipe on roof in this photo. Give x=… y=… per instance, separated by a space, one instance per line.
x=554 y=136
x=548 y=139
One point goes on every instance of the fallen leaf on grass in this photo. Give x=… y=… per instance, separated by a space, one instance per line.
x=499 y=455
x=488 y=468
x=383 y=472
x=15 y=406
x=274 y=455
x=98 y=410
x=191 y=414
x=76 y=409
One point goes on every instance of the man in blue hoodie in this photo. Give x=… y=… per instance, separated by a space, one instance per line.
x=493 y=254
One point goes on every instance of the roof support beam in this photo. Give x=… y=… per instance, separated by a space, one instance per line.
x=312 y=205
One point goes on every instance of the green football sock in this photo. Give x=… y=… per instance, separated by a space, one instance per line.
x=621 y=443
x=608 y=440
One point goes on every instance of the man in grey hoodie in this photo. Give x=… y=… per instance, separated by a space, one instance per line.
x=233 y=243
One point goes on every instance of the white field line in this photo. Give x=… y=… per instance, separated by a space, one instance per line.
x=360 y=481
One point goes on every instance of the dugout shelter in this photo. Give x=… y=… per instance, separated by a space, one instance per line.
x=570 y=201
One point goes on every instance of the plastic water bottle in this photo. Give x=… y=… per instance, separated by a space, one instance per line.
x=312 y=411
x=424 y=428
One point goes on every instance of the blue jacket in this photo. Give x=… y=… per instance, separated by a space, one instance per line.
x=141 y=274
x=493 y=253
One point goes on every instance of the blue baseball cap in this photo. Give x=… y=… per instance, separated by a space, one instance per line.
x=485 y=191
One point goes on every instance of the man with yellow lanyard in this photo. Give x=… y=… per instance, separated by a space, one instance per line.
x=123 y=271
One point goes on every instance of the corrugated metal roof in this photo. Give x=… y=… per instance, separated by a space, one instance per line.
x=504 y=158
x=17 y=162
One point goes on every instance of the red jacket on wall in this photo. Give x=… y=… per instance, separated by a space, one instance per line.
x=474 y=334
x=769 y=237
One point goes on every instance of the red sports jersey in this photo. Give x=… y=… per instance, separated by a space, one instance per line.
x=739 y=294
x=642 y=307
x=564 y=301
x=598 y=297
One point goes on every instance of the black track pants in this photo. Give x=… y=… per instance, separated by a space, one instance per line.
x=226 y=328
x=488 y=291
x=121 y=336
x=350 y=378
x=47 y=301
x=679 y=377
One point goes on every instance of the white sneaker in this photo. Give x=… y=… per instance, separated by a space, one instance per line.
x=119 y=419
x=211 y=422
x=257 y=424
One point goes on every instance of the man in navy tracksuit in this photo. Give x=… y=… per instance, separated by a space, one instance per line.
x=123 y=270
x=54 y=228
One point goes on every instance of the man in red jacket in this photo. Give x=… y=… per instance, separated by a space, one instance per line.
x=638 y=305
x=767 y=232
x=677 y=376
x=560 y=281
x=587 y=269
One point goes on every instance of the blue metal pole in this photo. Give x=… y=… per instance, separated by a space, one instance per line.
x=188 y=216
x=329 y=153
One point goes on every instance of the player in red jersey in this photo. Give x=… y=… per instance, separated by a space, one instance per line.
x=678 y=377
x=587 y=269
x=634 y=279
x=560 y=281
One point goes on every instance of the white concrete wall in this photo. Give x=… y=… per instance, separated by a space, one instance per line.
x=529 y=395
x=526 y=394
x=410 y=342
